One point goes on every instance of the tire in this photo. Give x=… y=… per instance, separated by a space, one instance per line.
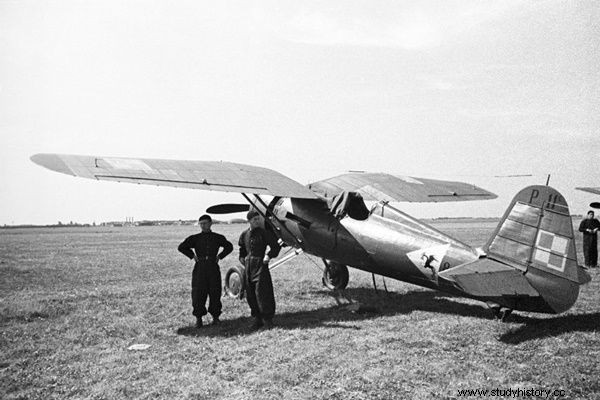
x=235 y=282
x=335 y=276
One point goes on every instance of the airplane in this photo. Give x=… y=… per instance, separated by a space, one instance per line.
x=529 y=263
x=595 y=190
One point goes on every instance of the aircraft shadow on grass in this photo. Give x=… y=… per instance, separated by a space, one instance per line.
x=375 y=304
x=537 y=328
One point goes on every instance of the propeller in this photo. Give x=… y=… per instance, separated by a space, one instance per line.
x=595 y=205
x=228 y=208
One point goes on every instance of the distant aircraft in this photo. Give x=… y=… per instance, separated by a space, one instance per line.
x=595 y=190
x=529 y=263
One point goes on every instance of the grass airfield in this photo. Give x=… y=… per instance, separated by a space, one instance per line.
x=72 y=300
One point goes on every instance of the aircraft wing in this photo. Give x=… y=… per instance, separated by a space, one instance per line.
x=205 y=175
x=379 y=186
x=595 y=190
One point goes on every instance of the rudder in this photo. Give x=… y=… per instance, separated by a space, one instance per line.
x=536 y=236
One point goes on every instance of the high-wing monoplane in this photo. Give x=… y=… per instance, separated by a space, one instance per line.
x=595 y=190
x=529 y=263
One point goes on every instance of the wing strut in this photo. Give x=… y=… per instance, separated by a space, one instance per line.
x=286 y=258
x=268 y=215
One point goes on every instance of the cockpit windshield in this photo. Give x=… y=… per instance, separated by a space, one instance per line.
x=351 y=204
x=388 y=212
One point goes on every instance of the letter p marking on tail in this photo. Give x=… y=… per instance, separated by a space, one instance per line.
x=534 y=195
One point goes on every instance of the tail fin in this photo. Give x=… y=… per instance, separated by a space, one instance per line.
x=535 y=236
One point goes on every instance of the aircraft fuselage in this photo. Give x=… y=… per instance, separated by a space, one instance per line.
x=388 y=242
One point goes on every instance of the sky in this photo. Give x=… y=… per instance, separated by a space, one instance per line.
x=456 y=90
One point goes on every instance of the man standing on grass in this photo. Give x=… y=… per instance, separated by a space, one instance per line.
x=589 y=227
x=206 y=277
x=259 y=286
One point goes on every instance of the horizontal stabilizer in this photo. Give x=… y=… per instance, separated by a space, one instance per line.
x=489 y=278
x=386 y=187
x=204 y=175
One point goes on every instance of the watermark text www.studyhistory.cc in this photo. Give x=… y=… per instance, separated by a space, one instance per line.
x=513 y=393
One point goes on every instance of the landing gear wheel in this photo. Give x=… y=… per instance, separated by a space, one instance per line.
x=335 y=276
x=235 y=282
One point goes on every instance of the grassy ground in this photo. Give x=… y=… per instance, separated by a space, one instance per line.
x=73 y=301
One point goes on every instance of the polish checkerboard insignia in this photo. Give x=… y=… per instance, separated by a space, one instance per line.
x=551 y=250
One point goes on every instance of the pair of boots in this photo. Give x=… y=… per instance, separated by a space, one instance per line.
x=199 y=324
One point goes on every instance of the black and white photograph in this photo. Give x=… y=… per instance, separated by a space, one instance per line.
x=346 y=200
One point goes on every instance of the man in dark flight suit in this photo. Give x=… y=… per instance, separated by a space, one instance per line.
x=206 y=277
x=589 y=227
x=259 y=286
